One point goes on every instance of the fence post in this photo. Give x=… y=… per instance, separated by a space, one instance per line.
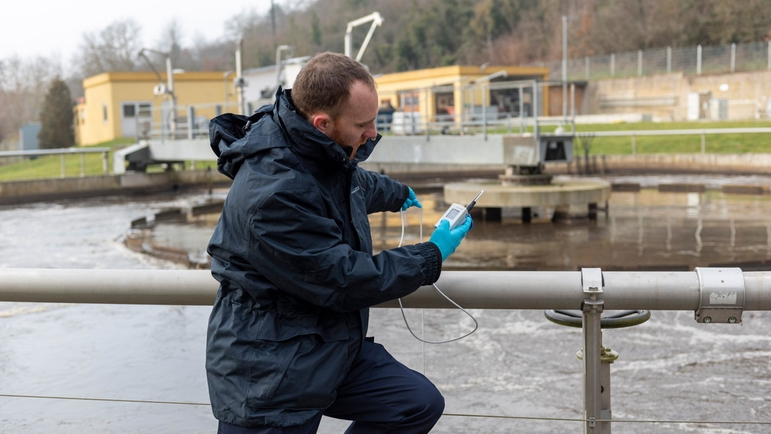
x=82 y=165
x=613 y=64
x=733 y=57
x=639 y=63
x=63 y=166
x=190 y=122
x=104 y=162
x=586 y=67
x=698 y=59
x=669 y=60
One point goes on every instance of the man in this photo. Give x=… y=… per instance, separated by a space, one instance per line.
x=293 y=254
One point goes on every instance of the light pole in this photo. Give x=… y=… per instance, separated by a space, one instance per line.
x=168 y=89
x=565 y=20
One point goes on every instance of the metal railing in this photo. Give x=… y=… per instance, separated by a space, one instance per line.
x=752 y=56
x=716 y=295
x=703 y=132
x=63 y=152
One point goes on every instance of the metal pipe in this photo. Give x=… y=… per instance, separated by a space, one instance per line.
x=471 y=289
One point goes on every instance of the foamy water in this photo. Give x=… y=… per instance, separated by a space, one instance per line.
x=517 y=364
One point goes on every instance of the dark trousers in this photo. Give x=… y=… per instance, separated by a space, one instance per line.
x=379 y=394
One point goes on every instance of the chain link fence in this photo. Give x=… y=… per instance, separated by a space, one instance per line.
x=696 y=60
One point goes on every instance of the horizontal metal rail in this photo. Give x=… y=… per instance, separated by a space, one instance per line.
x=39 y=152
x=681 y=132
x=63 y=152
x=471 y=289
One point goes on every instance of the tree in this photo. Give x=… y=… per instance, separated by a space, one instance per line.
x=56 y=117
x=22 y=89
x=115 y=48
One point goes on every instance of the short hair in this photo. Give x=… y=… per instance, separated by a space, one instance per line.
x=324 y=83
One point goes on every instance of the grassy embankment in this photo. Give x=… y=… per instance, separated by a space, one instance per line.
x=50 y=166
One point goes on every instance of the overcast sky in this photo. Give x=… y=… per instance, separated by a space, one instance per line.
x=31 y=28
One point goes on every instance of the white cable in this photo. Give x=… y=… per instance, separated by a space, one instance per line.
x=401 y=307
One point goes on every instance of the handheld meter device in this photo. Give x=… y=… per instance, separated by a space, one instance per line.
x=456 y=213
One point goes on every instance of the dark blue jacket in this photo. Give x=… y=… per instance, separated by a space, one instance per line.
x=293 y=255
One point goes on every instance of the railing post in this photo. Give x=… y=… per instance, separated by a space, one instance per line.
x=669 y=60
x=733 y=57
x=63 y=165
x=591 y=281
x=82 y=164
x=612 y=64
x=586 y=67
x=639 y=63
x=698 y=59
x=105 y=165
x=484 y=111
x=190 y=122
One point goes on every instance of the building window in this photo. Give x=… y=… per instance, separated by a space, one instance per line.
x=129 y=110
x=104 y=113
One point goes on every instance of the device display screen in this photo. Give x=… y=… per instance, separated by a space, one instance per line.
x=451 y=215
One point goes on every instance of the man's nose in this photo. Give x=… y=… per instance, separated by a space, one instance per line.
x=371 y=132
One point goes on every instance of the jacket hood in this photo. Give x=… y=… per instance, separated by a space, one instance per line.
x=235 y=138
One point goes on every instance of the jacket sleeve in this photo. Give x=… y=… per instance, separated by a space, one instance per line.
x=300 y=249
x=382 y=192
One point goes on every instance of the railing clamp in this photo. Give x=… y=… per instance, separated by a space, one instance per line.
x=722 y=295
x=591 y=281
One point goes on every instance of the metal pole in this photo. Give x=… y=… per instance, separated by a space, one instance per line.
x=564 y=66
x=586 y=67
x=536 y=133
x=190 y=122
x=105 y=166
x=592 y=307
x=239 y=78
x=428 y=115
x=484 y=111
x=674 y=290
x=521 y=109
x=669 y=60
x=82 y=165
x=698 y=59
x=733 y=57
x=612 y=64
x=63 y=165
x=639 y=63
x=573 y=104
x=172 y=95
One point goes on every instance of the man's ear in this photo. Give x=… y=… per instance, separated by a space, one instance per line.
x=322 y=122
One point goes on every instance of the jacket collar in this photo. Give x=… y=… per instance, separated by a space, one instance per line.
x=312 y=143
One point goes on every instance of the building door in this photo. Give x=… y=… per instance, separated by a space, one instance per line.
x=136 y=119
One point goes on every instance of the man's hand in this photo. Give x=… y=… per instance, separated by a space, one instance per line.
x=412 y=200
x=448 y=240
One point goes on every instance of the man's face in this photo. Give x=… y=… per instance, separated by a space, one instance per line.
x=356 y=122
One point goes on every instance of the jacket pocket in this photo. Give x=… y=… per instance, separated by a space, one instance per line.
x=269 y=363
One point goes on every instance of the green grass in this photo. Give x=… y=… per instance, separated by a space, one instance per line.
x=714 y=143
x=50 y=166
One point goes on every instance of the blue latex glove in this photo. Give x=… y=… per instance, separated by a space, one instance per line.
x=412 y=200
x=448 y=240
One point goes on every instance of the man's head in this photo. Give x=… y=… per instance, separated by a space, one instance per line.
x=337 y=95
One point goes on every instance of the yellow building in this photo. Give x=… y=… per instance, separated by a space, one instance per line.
x=131 y=104
x=455 y=93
